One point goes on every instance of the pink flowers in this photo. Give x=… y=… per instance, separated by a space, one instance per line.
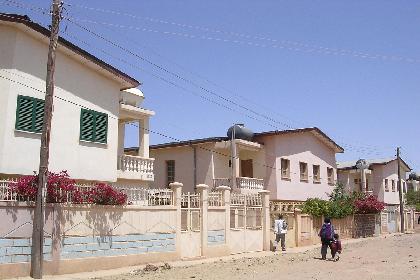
x=101 y=194
x=368 y=205
x=61 y=188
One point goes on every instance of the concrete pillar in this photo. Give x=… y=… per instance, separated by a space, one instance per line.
x=203 y=190
x=266 y=227
x=176 y=200
x=226 y=202
x=298 y=226
x=363 y=180
x=144 y=138
x=121 y=136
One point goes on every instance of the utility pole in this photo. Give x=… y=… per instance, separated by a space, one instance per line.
x=400 y=191
x=38 y=223
x=233 y=157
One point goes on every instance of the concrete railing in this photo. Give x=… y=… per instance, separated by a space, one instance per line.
x=241 y=183
x=135 y=164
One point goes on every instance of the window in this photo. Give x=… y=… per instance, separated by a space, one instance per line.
x=386 y=185
x=303 y=171
x=316 y=175
x=29 y=114
x=285 y=169
x=358 y=184
x=170 y=171
x=330 y=173
x=393 y=185
x=404 y=187
x=93 y=126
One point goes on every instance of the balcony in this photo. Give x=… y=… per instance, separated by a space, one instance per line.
x=135 y=168
x=242 y=183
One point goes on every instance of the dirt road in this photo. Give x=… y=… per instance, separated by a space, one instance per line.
x=394 y=257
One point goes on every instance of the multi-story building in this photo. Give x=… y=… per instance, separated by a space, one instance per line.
x=292 y=164
x=93 y=102
x=379 y=178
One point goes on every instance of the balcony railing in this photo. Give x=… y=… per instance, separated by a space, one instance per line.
x=241 y=183
x=130 y=166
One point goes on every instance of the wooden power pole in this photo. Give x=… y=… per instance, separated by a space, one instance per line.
x=38 y=223
x=400 y=192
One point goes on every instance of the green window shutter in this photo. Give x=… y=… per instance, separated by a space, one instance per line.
x=29 y=114
x=38 y=115
x=101 y=128
x=93 y=126
x=86 y=125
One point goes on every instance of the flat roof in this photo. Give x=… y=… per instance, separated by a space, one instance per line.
x=26 y=21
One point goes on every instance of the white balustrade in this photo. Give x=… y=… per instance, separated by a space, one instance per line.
x=135 y=164
x=241 y=183
x=250 y=183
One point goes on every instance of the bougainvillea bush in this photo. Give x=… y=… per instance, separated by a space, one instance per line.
x=61 y=189
x=342 y=204
x=104 y=194
x=368 y=205
x=58 y=186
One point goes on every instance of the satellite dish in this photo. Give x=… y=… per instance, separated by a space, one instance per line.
x=362 y=164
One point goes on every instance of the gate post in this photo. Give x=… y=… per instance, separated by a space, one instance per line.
x=298 y=226
x=226 y=202
x=265 y=199
x=203 y=190
x=176 y=200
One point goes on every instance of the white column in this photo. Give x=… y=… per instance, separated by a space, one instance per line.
x=144 y=138
x=176 y=199
x=121 y=136
x=203 y=190
x=265 y=197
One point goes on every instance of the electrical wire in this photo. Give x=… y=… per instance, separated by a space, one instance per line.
x=349 y=146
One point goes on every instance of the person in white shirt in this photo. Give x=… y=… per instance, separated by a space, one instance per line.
x=280 y=229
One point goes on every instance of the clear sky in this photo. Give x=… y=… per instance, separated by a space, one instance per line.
x=351 y=68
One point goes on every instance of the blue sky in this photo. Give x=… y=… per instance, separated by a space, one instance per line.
x=351 y=68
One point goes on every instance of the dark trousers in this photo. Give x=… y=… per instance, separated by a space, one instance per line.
x=324 y=248
x=282 y=238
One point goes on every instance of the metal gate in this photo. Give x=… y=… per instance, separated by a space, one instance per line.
x=190 y=225
x=392 y=221
x=246 y=222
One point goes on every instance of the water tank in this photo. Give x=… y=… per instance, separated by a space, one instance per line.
x=362 y=164
x=414 y=176
x=241 y=132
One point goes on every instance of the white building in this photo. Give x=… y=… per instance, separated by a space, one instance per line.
x=381 y=178
x=93 y=103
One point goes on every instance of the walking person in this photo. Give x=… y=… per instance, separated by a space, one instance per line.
x=327 y=236
x=280 y=229
x=336 y=248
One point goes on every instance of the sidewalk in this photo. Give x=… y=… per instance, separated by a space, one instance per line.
x=186 y=263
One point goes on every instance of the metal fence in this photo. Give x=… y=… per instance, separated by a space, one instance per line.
x=135 y=195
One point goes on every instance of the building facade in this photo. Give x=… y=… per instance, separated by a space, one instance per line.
x=93 y=102
x=293 y=165
x=381 y=178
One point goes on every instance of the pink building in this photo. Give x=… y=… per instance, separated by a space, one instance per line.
x=381 y=178
x=292 y=164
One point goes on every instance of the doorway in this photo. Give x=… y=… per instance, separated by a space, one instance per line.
x=247 y=168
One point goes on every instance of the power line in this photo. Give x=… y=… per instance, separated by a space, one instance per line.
x=350 y=147
x=326 y=50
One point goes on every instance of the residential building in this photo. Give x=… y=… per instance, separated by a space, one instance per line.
x=93 y=103
x=413 y=182
x=292 y=164
x=381 y=178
